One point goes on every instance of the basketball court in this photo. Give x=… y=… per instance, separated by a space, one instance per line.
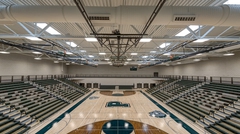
x=93 y=113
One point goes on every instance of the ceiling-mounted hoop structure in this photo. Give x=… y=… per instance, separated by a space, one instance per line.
x=118 y=44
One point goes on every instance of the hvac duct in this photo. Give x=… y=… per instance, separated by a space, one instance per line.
x=225 y=15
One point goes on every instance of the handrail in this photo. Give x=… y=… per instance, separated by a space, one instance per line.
x=225 y=80
x=215 y=79
x=195 y=78
x=126 y=76
x=19 y=78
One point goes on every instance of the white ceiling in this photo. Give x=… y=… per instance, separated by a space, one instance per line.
x=76 y=32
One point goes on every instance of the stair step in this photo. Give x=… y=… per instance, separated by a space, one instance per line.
x=17 y=116
x=27 y=121
x=227 y=111
x=202 y=124
x=231 y=109
x=222 y=114
x=237 y=107
x=216 y=116
x=208 y=122
x=23 y=118
x=32 y=124
x=212 y=119
x=3 y=108
x=13 y=114
x=235 y=120
x=237 y=102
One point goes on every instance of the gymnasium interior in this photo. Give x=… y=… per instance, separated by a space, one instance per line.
x=119 y=66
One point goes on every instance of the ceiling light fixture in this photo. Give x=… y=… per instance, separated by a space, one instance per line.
x=164 y=45
x=200 y=40
x=134 y=53
x=153 y=51
x=228 y=54
x=67 y=64
x=72 y=44
x=36 y=52
x=83 y=51
x=38 y=58
x=53 y=31
x=106 y=59
x=129 y=59
x=102 y=53
x=69 y=53
x=196 y=59
x=167 y=54
x=91 y=39
x=90 y=56
x=33 y=38
x=232 y=2
x=152 y=59
x=4 y=52
x=41 y=25
x=49 y=29
x=145 y=40
x=144 y=56
x=56 y=61
x=186 y=32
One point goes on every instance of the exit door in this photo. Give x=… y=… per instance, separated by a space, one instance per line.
x=155 y=74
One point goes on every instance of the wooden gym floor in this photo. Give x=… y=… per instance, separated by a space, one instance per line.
x=94 y=110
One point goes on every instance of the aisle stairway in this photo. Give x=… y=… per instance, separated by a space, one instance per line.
x=160 y=85
x=73 y=84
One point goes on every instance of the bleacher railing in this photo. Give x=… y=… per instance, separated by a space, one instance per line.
x=215 y=79
x=195 y=78
x=225 y=80
x=18 y=78
x=126 y=76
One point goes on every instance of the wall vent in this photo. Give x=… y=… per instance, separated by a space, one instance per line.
x=99 y=18
x=184 y=18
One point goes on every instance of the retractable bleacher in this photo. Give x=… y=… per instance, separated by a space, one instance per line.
x=60 y=89
x=25 y=104
x=174 y=89
x=15 y=98
x=214 y=106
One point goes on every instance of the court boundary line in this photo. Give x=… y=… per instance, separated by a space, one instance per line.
x=175 y=118
x=60 y=117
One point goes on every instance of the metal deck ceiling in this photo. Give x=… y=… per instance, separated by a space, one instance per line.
x=77 y=31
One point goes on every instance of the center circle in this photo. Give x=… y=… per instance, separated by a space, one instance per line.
x=117 y=127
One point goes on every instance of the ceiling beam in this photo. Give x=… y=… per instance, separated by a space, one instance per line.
x=44 y=29
x=69 y=37
x=25 y=28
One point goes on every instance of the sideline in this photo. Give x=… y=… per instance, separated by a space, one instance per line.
x=184 y=125
x=49 y=126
